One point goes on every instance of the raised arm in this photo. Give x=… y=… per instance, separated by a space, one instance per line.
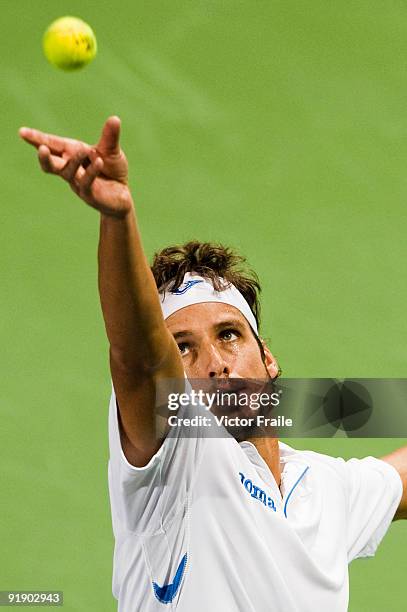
x=141 y=348
x=398 y=459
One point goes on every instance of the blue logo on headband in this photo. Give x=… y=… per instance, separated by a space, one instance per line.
x=187 y=285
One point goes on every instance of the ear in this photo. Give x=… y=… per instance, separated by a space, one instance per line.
x=270 y=361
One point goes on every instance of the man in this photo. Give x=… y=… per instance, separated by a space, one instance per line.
x=208 y=523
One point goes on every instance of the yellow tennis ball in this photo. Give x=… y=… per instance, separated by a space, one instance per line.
x=69 y=43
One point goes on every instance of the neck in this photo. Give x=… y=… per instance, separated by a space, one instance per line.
x=269 y=451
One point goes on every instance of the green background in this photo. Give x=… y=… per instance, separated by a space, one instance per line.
x=277 y=127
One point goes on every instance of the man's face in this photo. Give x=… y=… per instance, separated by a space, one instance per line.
x=216 y=341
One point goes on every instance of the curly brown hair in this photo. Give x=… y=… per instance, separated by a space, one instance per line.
x=211 y=260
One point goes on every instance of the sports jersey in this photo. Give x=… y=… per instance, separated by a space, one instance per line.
x=205 y=527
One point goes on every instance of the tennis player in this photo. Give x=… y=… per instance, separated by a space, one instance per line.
x=203 y=523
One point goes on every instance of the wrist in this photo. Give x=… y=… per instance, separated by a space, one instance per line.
x=121 y=212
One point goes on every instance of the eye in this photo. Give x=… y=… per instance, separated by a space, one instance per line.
x=229 y=335
x=183 y=348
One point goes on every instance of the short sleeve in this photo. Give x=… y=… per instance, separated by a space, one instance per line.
x=144 y=499
x=375 y=490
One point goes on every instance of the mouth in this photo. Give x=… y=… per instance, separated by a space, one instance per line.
x=230 y=394
x=233 y=398
x=230 y=385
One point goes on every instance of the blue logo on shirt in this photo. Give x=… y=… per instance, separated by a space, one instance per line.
x=187 y=285
x=167 y=592
x=257 y=493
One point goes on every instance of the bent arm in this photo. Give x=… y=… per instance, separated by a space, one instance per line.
x=141 y=348
x=398 y=459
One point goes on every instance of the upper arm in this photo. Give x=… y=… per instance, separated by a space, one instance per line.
x=374 y=491
x=398 y=459
x=136 y=392
x=146 y=497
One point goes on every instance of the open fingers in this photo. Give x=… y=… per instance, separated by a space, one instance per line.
x=56 y=144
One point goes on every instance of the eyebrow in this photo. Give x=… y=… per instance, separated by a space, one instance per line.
x=217 y=326
x=230 y=323
x=182 y=334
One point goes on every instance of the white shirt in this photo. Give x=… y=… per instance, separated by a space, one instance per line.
x=204 y=527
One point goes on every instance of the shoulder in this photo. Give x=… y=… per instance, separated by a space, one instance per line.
x=353 y=473
x=320 y=461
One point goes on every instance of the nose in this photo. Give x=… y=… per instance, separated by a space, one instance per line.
x=216 y=366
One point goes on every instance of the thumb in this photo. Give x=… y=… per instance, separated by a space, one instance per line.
x=109 y=141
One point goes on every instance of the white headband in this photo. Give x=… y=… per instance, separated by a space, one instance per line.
x=195 y=290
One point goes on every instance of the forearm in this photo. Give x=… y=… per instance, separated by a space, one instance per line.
x=134 y=324
x=398 y=459
x=142 y=350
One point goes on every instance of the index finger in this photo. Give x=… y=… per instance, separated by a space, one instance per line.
x=56 y=144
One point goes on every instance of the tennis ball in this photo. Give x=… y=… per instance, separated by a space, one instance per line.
x=69 y=43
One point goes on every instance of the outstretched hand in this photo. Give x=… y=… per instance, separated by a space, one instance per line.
x=96 y=173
